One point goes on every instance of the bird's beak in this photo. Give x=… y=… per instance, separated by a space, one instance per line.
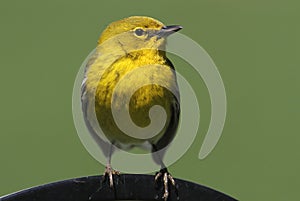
x=168 y=30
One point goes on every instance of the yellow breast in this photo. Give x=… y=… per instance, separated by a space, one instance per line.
x=131 y=76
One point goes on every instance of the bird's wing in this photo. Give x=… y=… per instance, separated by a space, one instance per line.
x=87 y=106
x=172 y=126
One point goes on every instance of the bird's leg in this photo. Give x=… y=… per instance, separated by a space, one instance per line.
x=165 y=175
x=166 y=178
x=109 y=171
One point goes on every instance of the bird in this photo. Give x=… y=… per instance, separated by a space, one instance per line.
x=129 y=49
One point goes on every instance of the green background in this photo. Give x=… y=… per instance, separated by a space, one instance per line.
x=255 y=45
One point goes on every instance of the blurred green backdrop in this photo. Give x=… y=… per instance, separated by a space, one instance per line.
x=255 y=45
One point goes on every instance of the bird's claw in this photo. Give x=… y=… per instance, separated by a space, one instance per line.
x=166 y=177
x=109 y=172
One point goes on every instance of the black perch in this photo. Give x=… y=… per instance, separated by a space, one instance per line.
x=126 y=187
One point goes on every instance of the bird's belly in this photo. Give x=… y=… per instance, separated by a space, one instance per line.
x=137 y=106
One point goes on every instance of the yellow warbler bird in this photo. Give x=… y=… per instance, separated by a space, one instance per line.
x=130 y=54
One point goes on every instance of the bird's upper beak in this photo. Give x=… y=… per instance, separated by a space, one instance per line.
x=168 y=30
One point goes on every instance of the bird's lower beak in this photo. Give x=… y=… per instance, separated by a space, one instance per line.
x=168 y=30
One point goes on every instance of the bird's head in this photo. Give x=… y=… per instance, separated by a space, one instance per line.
x=137 y=32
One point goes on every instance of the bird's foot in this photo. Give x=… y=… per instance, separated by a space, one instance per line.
x=166 y=178
x=108 y=173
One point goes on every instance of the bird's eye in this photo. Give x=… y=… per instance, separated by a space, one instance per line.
x=139 y=32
